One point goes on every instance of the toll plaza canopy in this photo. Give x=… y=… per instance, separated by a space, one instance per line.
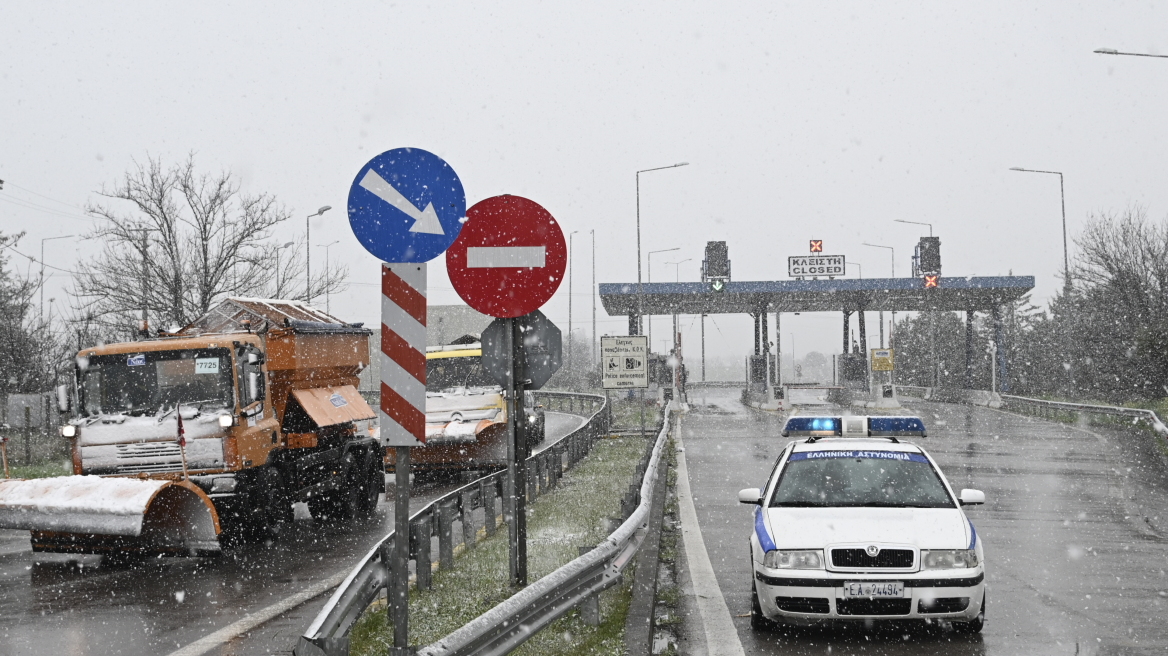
x=843 y=294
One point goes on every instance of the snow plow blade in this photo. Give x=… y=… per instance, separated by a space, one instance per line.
x=99 y=515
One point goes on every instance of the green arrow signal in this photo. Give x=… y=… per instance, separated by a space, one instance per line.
x=717 y=285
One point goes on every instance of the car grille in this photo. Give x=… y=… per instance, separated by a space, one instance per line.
x=873 y=606
x=943 y=605
x=803 y=604
x=858 y=558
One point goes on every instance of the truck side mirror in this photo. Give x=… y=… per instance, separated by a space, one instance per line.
x=63 y=398
x=255 y=357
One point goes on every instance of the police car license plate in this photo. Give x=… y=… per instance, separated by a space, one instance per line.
x=877 y=589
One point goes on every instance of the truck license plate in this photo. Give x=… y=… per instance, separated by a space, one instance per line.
x=877 y=589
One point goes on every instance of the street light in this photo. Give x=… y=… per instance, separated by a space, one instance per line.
x=1063 y=199
x=326 y=268
x=892 y=328
x=640 y=291
x=649 y=257
x=858 y=266
x=278 y=249
x=570 y=235
x=41 y=312
x=1112 y=51
x=676 y=266
x=917 y=223
x=308 y=251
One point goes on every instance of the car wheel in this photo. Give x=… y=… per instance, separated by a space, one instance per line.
x=975 y=625
x=758 y=621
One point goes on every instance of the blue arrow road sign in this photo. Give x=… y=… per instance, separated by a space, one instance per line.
x=406 y=205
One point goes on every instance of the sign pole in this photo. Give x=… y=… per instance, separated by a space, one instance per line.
x=403 y=416
x=518 y=377
x=400 y=579
x=516 y=466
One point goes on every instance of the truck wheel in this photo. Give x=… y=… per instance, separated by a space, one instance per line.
x=371 y=488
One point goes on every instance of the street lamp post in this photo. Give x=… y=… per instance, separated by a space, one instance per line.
x=891 y=328
x=595 y=339
x=278 y=249
x=1063 y=200
x=649 y=324
x=1112 y=51
x=677 y=278
x=917 y=223
x=41 y=311
x=307 y=252
x=640 y=291
x=327 y=294
x=570 y=258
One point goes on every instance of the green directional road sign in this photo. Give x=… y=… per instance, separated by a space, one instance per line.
x=717 y=285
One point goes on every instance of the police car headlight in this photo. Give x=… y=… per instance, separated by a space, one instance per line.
x=948 y=558
x=803 y=559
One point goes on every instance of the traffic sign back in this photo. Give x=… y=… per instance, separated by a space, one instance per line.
x=406 y=205
x=539 y=355
x=509 y=258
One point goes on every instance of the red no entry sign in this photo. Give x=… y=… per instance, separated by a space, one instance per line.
x=509 y=258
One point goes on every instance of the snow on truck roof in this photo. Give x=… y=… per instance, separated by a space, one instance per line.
x=229 y=315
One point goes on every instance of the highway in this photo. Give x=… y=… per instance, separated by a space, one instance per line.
x=72 y=605
x=1075 y=527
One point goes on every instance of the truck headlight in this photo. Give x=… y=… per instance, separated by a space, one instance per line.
x=802 y=559
x=948 y=558
x=69 y=430
x=226 y=421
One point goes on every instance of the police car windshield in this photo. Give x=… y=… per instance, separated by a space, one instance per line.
x=846 y=479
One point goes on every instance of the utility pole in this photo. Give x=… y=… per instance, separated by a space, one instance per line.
x=570 y=258
x=308 y=252
x=41 y=312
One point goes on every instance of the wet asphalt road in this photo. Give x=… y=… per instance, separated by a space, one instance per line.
x=1075 y=529
x=64 y=605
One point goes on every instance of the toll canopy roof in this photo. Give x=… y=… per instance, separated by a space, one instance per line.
x=872 y=294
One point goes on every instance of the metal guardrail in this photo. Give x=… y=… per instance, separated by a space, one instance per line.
x=328 y=633
x=1050 y=409
x=506 y=626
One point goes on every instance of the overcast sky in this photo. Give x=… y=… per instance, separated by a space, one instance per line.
x=799 y=120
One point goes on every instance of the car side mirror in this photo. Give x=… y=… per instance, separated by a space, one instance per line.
x=751 y=495
x=972 y=497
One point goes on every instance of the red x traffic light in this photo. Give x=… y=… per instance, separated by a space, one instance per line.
x=816 y=245
x=932 y=281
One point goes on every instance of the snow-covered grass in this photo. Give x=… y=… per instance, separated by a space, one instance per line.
x=626 y=414
x=43 y=470
x=573 y=515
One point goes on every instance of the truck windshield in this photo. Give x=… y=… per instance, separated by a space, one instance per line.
x=878 y=479
x=153 y=382
x=463 y=371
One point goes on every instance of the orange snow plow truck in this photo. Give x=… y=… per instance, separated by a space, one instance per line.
x=189 y=441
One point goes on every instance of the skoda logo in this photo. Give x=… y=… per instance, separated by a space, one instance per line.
x=873 y=550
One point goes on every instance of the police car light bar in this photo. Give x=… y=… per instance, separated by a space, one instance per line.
x=854 y=426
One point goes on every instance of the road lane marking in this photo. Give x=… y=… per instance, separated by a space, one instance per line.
x=262 y=616
x=721 y=636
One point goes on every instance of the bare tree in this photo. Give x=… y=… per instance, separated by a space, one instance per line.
x=30 y=354
x=176 y=241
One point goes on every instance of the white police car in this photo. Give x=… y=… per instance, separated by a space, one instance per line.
x=854 y=524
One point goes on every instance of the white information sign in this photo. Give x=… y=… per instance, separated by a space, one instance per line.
x=624 y=362
x=809 y=266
